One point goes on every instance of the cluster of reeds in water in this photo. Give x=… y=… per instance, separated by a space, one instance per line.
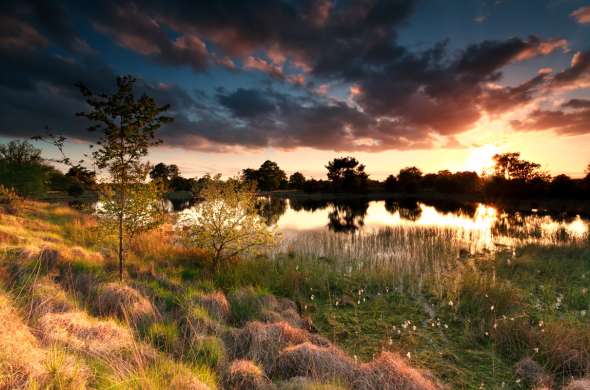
x=415 y=253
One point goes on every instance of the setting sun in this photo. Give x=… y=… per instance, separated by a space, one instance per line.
x=481 y=159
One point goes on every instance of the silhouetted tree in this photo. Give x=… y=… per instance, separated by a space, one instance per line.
x=409 y=179
x=511 y=167
x=268 y=177
x=347 y=174
x=391 y=184
x=562 y=186
x=296 y=181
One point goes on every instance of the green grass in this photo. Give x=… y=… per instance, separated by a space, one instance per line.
x=457 y=334
x=467 y=320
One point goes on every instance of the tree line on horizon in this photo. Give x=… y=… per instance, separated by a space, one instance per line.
x=513 y=177
x=23 y=168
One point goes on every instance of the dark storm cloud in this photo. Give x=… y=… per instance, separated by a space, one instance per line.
x=247 y=103
x=399 y=98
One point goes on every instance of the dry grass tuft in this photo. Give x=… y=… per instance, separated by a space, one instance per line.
x=65 y=371
x=246 y=375
x=216 y=305
x=580 y=384
x=390 y=372
x=124 y=302
x=21 y=359
x=48 y=297
x=79 y=332
x=302 y=383
x=532 y=373
x=263 y=342
x=315 y=362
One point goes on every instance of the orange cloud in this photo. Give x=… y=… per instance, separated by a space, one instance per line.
x=582 y=15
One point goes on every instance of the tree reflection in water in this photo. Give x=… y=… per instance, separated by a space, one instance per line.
x=271 y=209
x=348 y=216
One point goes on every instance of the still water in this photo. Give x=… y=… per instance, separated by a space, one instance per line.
x=481 y=225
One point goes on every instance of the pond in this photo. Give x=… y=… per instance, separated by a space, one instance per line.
x=490 y=225
x=410 y=240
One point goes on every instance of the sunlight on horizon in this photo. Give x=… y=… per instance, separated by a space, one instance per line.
x=481 y=159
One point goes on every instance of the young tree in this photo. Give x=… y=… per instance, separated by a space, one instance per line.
x=226 y=223
x=127 y=128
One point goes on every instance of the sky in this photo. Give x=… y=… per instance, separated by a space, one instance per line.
x=433 y=83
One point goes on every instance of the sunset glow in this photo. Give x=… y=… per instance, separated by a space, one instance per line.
x=481 y=159
x=300 y=83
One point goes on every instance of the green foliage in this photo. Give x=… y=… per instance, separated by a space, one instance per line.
x=207 y=350
x=142 y=210
x=163 y=335
x=127 y=128
x=226 y=223
x=23 y=169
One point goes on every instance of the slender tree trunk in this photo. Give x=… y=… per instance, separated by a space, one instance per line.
x=121 y=247
x=122 y=200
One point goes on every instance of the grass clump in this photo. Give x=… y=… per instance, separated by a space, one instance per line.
x=81 y=333
x=316 y=362
x=246 y=375
x=262 y=342
x=164 y=336
x=208 y=351
x=125 y=302
x=21 y=358
x=390 y=372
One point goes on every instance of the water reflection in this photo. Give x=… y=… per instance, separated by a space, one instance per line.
x=481 y=225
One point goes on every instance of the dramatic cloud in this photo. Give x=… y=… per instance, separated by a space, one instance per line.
x=572 y=122
x=306 y=52
x=577 y=75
